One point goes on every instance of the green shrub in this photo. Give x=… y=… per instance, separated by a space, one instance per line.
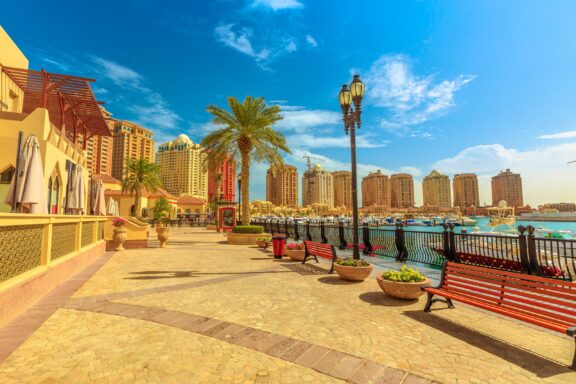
x=264 y=238
x=248 y=229
x=350 y=262
x=405 y=275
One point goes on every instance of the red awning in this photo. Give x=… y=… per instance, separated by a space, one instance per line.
x=69 y=99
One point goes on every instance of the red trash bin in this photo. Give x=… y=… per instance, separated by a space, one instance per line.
x=278 y=246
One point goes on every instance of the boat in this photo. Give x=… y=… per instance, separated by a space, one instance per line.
x=501 y=215
x=468 y=222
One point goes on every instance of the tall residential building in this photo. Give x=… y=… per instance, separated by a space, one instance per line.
x=282 y=186
x=507 y=186
x=465 y=187
x=99 y=149
x=436 y=189
x=131 y=141
x=375 y=190
x=182 y=169
x=401 y=191
x=317 y=187
x=342 y=188
x=227 y=176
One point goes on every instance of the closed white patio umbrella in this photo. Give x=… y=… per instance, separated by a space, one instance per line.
x=77 y=191
x=30 y=195
x=99 y=207
x=112 y=207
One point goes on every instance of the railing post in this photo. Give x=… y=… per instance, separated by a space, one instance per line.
x=343 y=243
x=78 y=239
x=446 y=243
x=523 y=248
x=95 y=231
x=323 y=238
x=366 y=239
x=296 y=234
x=452 y=241
x=402 y=254
x=532 y=257
x=308 y=235
x=286 y=228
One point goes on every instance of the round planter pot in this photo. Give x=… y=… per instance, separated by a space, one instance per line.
x=400 y=290
x=296 y=255
x=244 y=238
x=353 y=273
x=261 y=243
x=162 y=235
x=120 y=236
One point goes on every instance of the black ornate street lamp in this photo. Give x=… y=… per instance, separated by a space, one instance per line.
x=240 y=197
x=351 y=117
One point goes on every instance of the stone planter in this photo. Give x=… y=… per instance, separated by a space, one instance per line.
x=211 y=227
x=353 y=273
x=162 y=235
x=262 y=243
x=296 y=255
x=244 y=238
x=120 y=236
x=400 y=290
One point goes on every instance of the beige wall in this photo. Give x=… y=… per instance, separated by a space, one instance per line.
x=11 y=96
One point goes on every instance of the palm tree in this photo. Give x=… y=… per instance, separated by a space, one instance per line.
x=140 y=174
x=247 y=134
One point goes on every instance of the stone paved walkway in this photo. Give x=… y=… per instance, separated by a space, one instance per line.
x=203 y=311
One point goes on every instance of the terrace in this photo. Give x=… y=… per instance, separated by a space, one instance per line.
x=206 y=311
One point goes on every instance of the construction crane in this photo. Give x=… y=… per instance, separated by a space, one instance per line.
x=308 y=162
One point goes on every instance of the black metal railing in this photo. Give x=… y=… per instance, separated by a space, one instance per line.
x=522 y=252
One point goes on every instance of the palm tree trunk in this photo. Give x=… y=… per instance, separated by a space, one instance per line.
x=137 y=204
x=245 y=188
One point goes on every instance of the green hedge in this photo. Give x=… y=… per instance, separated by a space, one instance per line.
x=248 y=229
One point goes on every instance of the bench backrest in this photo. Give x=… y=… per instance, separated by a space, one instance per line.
x=536 y=296
x=325 y=251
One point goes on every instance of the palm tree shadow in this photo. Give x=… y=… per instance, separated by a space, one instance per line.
x=537 y=364
x=380 y=298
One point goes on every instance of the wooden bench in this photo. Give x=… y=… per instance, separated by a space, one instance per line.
x=315 y=250
x=542 y=301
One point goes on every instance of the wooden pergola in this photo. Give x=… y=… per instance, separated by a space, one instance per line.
x=70 y=102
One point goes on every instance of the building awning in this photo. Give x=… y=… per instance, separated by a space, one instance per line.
x=70 y=102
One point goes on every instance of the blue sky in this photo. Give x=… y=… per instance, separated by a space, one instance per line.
x=457 y=86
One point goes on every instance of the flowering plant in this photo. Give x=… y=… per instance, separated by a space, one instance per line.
x=118 y=222
x=295 y=247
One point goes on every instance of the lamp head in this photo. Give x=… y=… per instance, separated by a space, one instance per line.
x=357 y=89
x=345 y=99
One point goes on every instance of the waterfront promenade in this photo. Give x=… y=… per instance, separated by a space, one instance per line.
x=202 y=311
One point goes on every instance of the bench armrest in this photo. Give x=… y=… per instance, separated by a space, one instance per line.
x=571 y=331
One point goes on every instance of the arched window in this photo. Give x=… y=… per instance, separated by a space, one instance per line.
x=53 y=195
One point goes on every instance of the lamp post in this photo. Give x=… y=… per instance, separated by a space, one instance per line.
x=352 y=121
x=240 y=197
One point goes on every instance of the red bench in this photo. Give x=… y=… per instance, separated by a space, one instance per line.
x=315 y=250
x=541 y=301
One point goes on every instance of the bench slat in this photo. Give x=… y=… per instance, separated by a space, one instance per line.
x=555 y=326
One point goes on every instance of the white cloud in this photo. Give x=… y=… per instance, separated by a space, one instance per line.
x=304 y=140
x=240 y=41
x=300 y=119
x=152 y=111
x=546 y=176
x=291 y=47
x=560 y=135
x=311 y=41
x=277 y=5
x=411 y=99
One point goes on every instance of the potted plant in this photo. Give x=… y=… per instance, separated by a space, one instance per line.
x=403 y=284
x=246 y=234
x=120 y=234
x=295 y=251
x=351 y=269
x=162 y=216
x=263 y=241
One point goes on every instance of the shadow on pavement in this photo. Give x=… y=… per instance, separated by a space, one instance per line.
x=380 y=298
x=154 y=275
x=335 y=280
x=539 y=365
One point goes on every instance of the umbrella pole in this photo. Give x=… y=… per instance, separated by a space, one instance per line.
x=16 y=173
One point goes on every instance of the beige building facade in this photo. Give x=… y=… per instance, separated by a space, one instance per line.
x=182 y=169
x=507 y=186
x=342 y=188
x=99 y=149
x=436 y=190
x=317 y=187
x=282 y=186
x=131 y=141
x=401 y=191
x=376 y=190
x=465 y=186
